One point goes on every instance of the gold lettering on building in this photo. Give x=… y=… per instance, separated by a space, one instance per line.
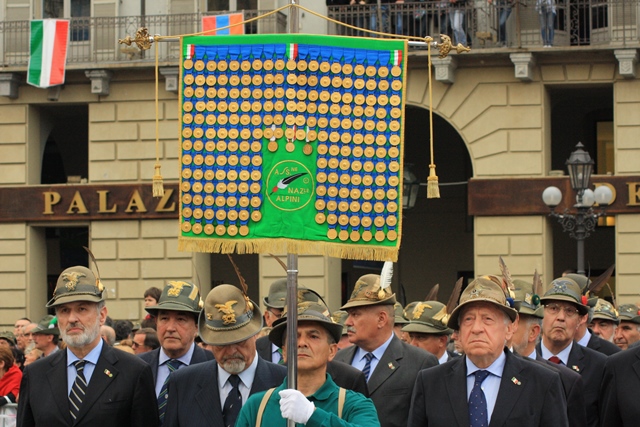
x=162 y=204
x=634 y=193
x=102 y=205
x=77 y=204
x=50 y=198
x=136 y=203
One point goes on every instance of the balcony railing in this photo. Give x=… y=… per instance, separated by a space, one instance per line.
x=515 y=24
x=95 y=40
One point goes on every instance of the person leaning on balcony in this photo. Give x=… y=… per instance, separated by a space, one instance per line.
x=547 y=12
x=456 y=15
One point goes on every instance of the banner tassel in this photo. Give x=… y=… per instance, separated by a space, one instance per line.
x=433 y=190
x=158 y=185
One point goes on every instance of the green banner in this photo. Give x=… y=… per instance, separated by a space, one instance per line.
x=292 y=143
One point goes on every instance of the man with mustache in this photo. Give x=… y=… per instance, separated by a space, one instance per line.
x=89 y=383
x=565 y=309
x=317 y=400
x=206 y=393
x=177 y=319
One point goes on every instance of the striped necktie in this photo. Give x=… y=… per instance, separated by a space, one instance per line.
x=367 y=366
x=78 y=390
x=173 y=365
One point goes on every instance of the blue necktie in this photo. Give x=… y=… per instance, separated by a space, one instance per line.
x=78 y=390
x=233 y=403
x=478 y=415
x=173 y=365
x=367 y=366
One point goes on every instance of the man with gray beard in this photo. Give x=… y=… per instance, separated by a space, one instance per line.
x=206 y=393
x=89 y=383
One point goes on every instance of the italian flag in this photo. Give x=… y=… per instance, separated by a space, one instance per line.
x=190 y=51
x=48 y=53
x=292 y=50
x=396 y=57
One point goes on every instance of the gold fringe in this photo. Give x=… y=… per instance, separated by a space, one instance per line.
x=251 y=246
x=433 y=191
x=158 y=185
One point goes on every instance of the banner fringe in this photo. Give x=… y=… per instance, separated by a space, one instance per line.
x=252 y=246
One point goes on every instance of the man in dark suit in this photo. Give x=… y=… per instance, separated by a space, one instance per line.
x=489 y=386
x=177 y=321
x=89 y=383
x=564 y=311
x=389 y=364
x=427 y=330
x=203 y=394
x=619 y=391
x=628 y=331
x=523 y=343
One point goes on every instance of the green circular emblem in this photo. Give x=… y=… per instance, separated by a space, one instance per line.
x=289 y=185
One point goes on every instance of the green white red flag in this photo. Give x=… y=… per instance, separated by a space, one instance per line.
x=396 y=57
x=292 y=50
x=48 y=52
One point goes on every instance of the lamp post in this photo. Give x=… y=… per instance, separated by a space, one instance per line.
x=581 y=223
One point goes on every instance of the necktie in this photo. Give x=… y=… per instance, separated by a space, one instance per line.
x=281 y=360
x=367 y=366
x=556 y=360
x=173 y=365
x=233 y=403
x=478 y=416
x=78 y=390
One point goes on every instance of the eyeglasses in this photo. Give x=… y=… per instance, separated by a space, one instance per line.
x=277 y=315
x=136 y=345
x=555 y=309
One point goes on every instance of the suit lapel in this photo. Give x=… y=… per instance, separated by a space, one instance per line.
x=636 y=366
x=511 y=388
x=209 y=396
x=456 y=386
x=388 y=364
x=103 y=375
x=261 y=378
x=346 y=355
x=57 y=377
x=576 y=361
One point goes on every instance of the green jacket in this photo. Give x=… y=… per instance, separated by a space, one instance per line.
x=357 y=411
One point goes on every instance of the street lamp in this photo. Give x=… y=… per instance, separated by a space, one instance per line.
x=583 y=222
x=410 y=187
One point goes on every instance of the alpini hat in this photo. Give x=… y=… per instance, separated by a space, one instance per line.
x=428 y=317
x=629 y=313
x=77 y=283
x=566 y=289
x=9 y=337
x=373 y=289
x=482 y=289
x=307 y=311
x=399 y=318
x=277 y=294
x=604 y=310
x=527 y=296
x=229 y=316
x=178 y=295
x=47 y=326
x=340 y=317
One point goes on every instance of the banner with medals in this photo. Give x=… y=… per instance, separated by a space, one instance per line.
x=292 y=143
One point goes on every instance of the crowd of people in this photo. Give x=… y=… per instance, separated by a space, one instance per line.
x=502 y=352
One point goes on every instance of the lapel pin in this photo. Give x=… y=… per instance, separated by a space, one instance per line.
x=391 y=366
x=108 y=373
x=575 y=368
x=516 y=381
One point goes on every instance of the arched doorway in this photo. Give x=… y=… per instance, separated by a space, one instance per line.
x=437 y=235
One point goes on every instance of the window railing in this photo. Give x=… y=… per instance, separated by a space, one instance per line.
x=500 y=23
x=95 y=40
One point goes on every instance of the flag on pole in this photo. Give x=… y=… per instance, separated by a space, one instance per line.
x=211 y=23
x=48 y=52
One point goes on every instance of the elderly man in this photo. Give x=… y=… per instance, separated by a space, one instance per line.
x=19 y=324
x=605 y=320
x=318 y=401
x=389 y=364
x=427 y=330
x=564 y=311
x=25 y=337
x=628 y=332
x=176 y=315
x=89 y=383
x=619 y=390
x=208 y=393
x=489 y=386
x=524 y=341
x=46 y=336
x=144 y=340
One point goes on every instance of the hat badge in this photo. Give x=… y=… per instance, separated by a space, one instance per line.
x=228 y=313
x=417 y=312
x=176 y=288
x=72 y=278
x=560 y=287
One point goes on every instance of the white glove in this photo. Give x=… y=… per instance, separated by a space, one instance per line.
x=295 y=406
